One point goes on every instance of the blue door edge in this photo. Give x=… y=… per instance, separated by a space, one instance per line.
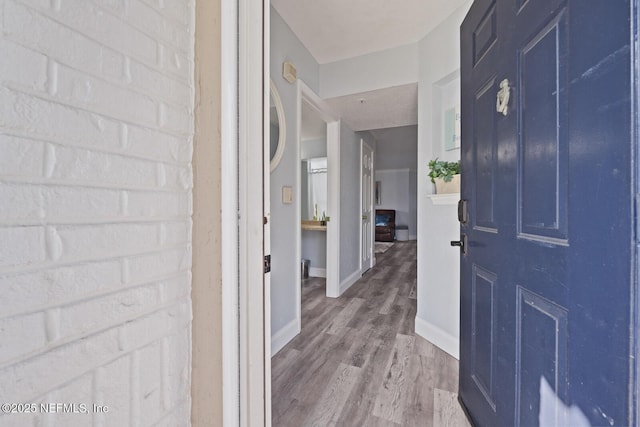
x=634 y=410
x=465 y=410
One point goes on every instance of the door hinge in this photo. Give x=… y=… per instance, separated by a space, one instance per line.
x=267 y=263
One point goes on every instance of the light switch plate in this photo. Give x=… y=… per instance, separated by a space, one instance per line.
x=287 y=195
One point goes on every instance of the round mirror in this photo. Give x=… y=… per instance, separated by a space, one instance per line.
x=277 y=127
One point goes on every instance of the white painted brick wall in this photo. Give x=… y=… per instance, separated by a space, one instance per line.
x=96 y=126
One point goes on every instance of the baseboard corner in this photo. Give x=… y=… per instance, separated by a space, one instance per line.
x=349 y=281
x=436 y=336
x=284 y=336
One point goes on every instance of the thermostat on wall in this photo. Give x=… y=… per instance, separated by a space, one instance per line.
x=289 y=72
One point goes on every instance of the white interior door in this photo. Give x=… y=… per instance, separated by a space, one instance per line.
x=366 y=203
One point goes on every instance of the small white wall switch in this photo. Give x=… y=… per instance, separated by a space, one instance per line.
x=287 y=195
x=289 y=72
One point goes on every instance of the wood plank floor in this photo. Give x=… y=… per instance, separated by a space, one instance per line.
x=357 y=361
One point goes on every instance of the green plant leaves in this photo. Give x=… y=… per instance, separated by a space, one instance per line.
x=442 y=169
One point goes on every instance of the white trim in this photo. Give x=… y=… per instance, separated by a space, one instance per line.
x=396 y=170
x=268 y=86
x=298 y=206
x=229 y=214
x=284 y=335
x=252 y=98
x=333 y=207
x=438 y=337
x=282 y=121
x=333 y=189
x=360 y=207
x=317 y=272
x=349 y=281
x=444 y=199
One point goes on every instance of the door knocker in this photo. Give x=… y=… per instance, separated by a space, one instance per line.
x=502 y=101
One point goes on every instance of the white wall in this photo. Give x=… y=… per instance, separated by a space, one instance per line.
x=445 y=94
x=387 y=68
x=438 y=311
x=439 y=64
x=96 y=126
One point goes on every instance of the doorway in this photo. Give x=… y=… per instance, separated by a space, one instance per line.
x=314 y=106
x=313 y=193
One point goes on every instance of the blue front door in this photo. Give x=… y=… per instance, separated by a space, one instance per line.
x=548 y=277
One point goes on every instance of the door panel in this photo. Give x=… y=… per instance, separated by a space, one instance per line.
x=485 y=141
x=541 y=342
x=548 y=277
x=543 y=143
x=483 y=334
x=484 y=35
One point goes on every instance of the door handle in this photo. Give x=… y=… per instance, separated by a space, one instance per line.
x=462 y=243
x=462 y=211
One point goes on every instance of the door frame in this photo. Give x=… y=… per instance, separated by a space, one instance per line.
x=306 y=94
x=229 y=29
x=247 y=366
x=372 y=260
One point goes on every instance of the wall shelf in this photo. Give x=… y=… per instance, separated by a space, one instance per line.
x=444 y=199
x=313 y=226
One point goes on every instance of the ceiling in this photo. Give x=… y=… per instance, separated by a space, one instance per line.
x=383 y=108
x=333 y=30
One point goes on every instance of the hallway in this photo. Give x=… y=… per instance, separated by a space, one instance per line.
x=357 y=360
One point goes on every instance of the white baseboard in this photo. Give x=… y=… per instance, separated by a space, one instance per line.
x=317 y=272
x=438 y=337
x=284 y=335
x=349 y=281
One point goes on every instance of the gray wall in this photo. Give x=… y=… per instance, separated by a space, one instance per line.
x=396 y=163
x=349 y=201
x=284 y=265
x=313 y=148
x=397 y=148
x=286 y=47
x=350 y=215
x=314 y=248
x=398 y=192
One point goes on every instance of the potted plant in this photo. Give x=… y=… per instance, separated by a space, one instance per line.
x=445 y=175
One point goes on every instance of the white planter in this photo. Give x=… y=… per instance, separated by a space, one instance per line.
x=452 y=186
